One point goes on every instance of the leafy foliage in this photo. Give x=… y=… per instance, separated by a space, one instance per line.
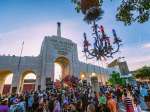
x=133 y=11
x=129 y=11
x=116 y=79
x=91 y=9
x=143 y=73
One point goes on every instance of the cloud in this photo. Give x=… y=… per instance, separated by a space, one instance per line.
x=136 y=56
x=147 y=45
x=139 y=61
x=32 y=36
x=10 y=42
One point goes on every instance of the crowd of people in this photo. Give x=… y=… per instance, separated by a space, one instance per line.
x=77 y=99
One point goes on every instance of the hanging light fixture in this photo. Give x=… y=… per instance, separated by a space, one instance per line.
x=102 y=48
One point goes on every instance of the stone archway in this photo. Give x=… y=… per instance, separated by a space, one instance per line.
x=61 y=68
x=5 y=81
x=28 y=81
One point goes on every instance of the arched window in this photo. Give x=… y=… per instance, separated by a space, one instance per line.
x=30 y=76
x=8 y=79
x=5 y=81
x=28 y=81
x=62 y=68
x=58 y=72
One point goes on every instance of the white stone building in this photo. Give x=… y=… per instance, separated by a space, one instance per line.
x=54 y=49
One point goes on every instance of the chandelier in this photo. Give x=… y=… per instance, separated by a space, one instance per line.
x=102 y=47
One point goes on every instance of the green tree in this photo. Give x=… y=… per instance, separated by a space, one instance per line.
x=142 y=73
x=129 y=11
x=115 y=79
x=133 y=11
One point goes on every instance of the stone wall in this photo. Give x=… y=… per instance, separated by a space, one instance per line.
x=43 y=65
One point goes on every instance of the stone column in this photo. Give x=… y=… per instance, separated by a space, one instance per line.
x=94 y=82
x=16 y=82
x=100 y=79
x=52 y=71
x=47 y=72
x=88 y=78
x=43 y=82
x=103 y=79
x=1 y=85
x=37 y=82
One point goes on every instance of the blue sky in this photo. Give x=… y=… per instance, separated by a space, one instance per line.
x=31 y=20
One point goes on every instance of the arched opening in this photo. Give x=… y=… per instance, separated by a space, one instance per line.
x=5 y=82
x=62 y=68
x=28 y=81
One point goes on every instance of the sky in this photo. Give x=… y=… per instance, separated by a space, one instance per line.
x=31 y=20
